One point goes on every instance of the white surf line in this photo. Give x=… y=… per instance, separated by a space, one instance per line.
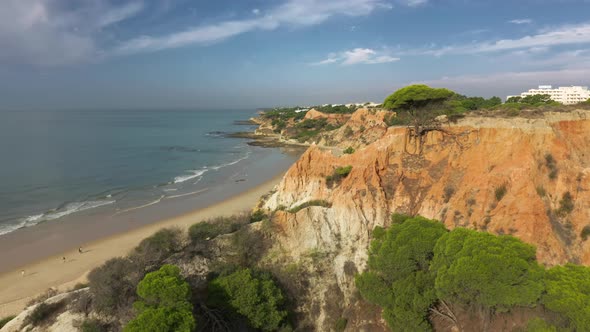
x=142 y=206
x=193 y=193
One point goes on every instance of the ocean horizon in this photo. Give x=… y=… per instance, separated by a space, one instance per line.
x=64 y=163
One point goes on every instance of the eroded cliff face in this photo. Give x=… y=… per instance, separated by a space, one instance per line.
x=506 y=176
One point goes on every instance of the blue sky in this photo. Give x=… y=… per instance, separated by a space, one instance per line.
x=261 y=53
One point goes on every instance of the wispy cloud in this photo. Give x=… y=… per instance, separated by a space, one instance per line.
x=414 y=3
x=357 y=56
x=293 y=13
x=521 y=21
x=547 y=38
x=42 y=32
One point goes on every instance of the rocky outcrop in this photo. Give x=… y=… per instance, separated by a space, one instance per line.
x=525 y=177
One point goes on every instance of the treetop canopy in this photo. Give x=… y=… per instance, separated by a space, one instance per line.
x=416 y=96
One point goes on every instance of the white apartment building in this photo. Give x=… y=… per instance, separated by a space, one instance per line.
x=566 y=95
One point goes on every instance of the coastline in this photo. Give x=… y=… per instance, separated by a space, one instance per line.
x=51 y=272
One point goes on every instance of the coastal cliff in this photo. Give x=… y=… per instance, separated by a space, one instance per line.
x=524 y=177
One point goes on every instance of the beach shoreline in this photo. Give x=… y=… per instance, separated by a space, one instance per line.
x=52 y=272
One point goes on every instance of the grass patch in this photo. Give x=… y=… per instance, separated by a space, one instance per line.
x=315 y=202
x=500 y=192
x=258 y=215
x=340 y=325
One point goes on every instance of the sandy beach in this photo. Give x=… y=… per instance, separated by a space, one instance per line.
x=16 y=290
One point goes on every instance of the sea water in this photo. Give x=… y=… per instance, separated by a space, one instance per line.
x=61 y=163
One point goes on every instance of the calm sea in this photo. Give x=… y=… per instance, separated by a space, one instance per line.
x=58 y=163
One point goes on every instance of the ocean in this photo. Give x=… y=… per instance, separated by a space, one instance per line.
x=58 y=164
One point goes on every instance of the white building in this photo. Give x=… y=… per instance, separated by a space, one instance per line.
x=566 y=95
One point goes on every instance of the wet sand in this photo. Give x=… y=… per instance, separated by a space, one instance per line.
x=16 y=290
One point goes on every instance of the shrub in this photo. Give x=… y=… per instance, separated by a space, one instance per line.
x=338 y=174
x=161 y=245
x=93 y=325
x=43 y=312
x=500 y=192
x=348 y=131
x=541 y=191
x=164 y=304
x=315 y=202
x=254 y=296
x=210 y=229
x=258 y=215
x=348 y=150
x=551 y=165
x=113 y=285
x=49 y=293
x=449 y=191
x=340 y=325
x=5 y=320
x=566 y=204
x=585 y=233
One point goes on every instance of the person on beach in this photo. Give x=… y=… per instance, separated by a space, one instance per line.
x=22 y=273
x=80 y=250
x=63 y=259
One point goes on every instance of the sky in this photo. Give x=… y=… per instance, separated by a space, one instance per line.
x=139 y=54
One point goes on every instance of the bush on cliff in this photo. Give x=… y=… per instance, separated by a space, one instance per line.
x=209 y=229
x=165 y=303
x=112 y=286
x=154 y=249
x=568 y=293
x=251 y=295
x=338 y=174
x=398 y=278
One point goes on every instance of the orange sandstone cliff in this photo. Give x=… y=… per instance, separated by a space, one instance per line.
x=525 y=177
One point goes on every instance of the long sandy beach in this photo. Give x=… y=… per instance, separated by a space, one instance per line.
x=17 y=289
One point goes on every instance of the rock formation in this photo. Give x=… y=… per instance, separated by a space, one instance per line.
x=525 y=177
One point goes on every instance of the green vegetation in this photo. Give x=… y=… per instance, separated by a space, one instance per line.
x=417 y=268
x=541 y=191
x=43 y=312
x=251 y=295
x=315 y=202
x=551 y=165
x=418 y=106
x=93 y=325
x=5 y=320
x=339 y=174
x=500 y=192
x=585 y=233
x=566 y=204
x=534 y=100
x=568 y=293
x=165 y=303
x=539 y=325
x=398 y=278
x=348 y=150
x=159 y=246
x=207 y=230
x=257 y=216
x=112 y=285
x=399 y=218
x=340 y=325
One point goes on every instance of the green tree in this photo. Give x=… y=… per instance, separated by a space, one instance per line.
x=165 y=302
x=491 y=272
x=568 y=293
x=421 y=104
x=254 y=296
x=398 y=278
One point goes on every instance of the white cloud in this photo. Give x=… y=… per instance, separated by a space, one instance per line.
x=41 y=32
x=415 y=3
x=256 y=11
x=521 y=21
x=294 y=13
x=357 y=56
x=563 y=35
